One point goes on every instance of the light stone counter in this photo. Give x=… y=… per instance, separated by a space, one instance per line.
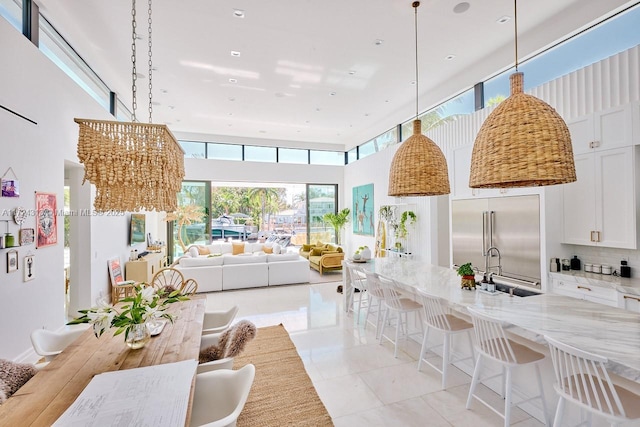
x=620 y=284
x=610 y=332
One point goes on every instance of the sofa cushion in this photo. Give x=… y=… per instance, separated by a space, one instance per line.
x=220 y=248
x=202 y=261
x=245 y=259
x=250 y=248
x=307 y=248
x=282 y=257
x=277 y=249
x=203 y=250
x=329 y=252
x=237 y=248
x=267 y=249
x=316 y=251
x=193 y=251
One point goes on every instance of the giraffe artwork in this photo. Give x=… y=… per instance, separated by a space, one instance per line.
x=363 y=210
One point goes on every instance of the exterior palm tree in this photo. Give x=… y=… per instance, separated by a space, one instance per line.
x=264 y=197
x=338 y=220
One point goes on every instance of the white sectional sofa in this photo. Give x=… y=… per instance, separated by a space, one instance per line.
x=216 y=268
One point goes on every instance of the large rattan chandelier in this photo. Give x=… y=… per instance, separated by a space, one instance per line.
x=418 y=168
x=133 y=165
x=523 y=143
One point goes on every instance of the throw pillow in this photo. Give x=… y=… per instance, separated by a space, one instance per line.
x=316 y=251
x=13 y=376
x=306 y=248
x=267 y=249
x=237 y=248
x=277 y=248
x=231 y=343
x=203 y=250
x=193 y=251
x=339 y=249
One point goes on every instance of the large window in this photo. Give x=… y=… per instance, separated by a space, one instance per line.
x=321 y=199
x=12 y=12
x=224 y=151
x=293 y=155
x=191 y=223
x=333 y=158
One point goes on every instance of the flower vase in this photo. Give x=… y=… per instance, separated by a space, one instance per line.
x=138 y=336
x=365 y=253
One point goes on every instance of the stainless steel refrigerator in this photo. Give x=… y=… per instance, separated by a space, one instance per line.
x=511 y=224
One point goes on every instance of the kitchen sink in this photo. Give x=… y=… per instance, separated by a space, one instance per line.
x=517 y=291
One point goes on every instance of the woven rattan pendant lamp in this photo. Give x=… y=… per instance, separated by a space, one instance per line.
x=133 y=165
x=523 y=143
x=418 y=168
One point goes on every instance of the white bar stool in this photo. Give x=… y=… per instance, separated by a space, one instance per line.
x=582 y=379
x=437 y=318
x=492 y=343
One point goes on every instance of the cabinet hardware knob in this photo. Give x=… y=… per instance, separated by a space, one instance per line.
x=630 y=297
x=584 y=287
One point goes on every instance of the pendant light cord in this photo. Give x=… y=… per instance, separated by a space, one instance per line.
x=515 y=24
x=415 y=8
x=134 y=76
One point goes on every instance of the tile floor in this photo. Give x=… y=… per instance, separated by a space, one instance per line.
x=359 y=380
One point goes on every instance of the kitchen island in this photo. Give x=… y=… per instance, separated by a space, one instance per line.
x=610 y=332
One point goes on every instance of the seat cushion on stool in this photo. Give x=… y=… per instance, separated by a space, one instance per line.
x=13 y=376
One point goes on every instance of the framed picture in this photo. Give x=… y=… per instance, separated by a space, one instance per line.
x=29 y=268
x=46 y=220
x=26 y=236
x=12 y=261
x=10 y=188
x=115 y=271
x=363 y=216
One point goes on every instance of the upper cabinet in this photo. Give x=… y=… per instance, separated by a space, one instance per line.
x=461 y=166
x=599 y=209
x=602 y=131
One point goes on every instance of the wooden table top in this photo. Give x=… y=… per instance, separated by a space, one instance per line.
x=42 y=400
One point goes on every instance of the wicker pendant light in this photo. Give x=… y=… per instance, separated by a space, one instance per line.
x=418 y=168
x=523 y=143
x=133 y=165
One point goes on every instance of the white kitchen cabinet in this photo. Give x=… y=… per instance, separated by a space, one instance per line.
x=629 y=302
x=602 y=131
x=601 y=295
x=461 y=166
x=599 y=209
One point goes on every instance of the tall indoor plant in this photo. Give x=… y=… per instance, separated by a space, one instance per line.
x=338 y=220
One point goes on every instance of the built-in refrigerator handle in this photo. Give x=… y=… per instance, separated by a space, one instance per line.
x=484 y=232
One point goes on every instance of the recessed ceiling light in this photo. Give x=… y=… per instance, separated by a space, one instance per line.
x=461 y=7
x=317 y=109
x=351 y=72
x=449 y=57
x=232 y=99
x=164 y=91
x=279 y=95
x=156 y=103
x=379 y=42
x=262 y=131
x=366 y=114
x=235 y=53
x=178 y=120
x=306 y=121
x=413 y=82
x=172 y=107
x=332 y=94
x=231 y=114
x=238 y=13
x=233 y=80
x=503 y=19
x=386 y=100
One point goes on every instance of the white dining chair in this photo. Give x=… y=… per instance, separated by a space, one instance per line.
x=437 y=318
x=492 y=343
x=582 y=379
x=217 y=321
x=49 y=344
x=220 y=396
x=225 y=363
x=395 y=306
x=358 y=283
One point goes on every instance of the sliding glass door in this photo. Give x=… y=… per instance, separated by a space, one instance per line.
x=321 y=199
x=191 y=225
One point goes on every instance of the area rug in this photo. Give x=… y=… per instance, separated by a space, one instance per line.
x=282 y=393
x=329 y=276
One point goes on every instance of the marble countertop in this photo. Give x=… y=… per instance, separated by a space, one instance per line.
x=620 y=284
x=611 y=332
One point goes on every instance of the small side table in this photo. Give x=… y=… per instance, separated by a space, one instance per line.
x=121 y=291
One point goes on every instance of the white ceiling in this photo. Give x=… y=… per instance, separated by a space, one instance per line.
x=296 y=53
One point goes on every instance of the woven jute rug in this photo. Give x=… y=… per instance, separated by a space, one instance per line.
x=282 y=393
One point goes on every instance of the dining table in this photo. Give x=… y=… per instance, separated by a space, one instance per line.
x=48 y=394
x=607 y=331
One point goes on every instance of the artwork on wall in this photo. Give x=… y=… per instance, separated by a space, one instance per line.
x=12 y=261
x=46 y=221
x=26 y=236
x=363 y=216
x=10 y=187
x=29 y=268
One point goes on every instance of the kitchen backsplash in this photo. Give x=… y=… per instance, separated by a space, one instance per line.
x=607 y=256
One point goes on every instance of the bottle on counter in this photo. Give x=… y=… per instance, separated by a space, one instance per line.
x=575 y=263
x=625 y=270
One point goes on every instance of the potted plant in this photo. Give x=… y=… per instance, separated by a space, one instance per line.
x=401 y=231
x=468 y=276
x=338 y=220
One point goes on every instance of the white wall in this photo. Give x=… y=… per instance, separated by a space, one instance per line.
x=39 y=153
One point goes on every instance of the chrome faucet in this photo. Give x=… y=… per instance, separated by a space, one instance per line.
x=487 y=255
